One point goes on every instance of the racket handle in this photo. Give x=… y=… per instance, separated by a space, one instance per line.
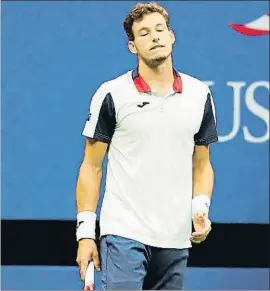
x=89 y=283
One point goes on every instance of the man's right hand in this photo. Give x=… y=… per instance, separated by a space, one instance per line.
x=87 y=252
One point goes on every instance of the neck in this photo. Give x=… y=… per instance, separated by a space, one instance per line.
x=161 y=77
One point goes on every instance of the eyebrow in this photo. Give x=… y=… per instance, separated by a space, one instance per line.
x=143 y=28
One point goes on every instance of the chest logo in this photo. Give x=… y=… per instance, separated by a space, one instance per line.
x=143 y=104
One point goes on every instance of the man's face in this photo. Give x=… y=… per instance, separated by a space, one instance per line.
x=153 y=40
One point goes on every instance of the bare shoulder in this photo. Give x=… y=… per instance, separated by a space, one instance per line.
x=95 y=151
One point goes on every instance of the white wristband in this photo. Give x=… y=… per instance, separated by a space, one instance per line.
x=86 y=225
x=200 y=202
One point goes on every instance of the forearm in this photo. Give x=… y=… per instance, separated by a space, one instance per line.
x=203 y=178
x=88 y=187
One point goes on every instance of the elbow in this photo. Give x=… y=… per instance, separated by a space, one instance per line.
x=202 y=166
x=88 y=187
x=88 y=169
x=89 y=177
x=201 y=163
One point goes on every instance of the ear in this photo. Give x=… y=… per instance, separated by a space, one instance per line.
x=132 y=47
x=172 y=36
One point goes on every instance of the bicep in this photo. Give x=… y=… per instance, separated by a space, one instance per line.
x=201 y=154
x=95 y=152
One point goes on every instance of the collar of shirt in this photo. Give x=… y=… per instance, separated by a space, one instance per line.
x=143 y=87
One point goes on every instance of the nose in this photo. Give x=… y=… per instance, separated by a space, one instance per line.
x=155 y=35
x=155 y=39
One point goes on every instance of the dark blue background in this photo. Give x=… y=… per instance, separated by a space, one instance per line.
x=55 y=55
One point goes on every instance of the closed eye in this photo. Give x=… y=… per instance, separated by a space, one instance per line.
x=144 y=34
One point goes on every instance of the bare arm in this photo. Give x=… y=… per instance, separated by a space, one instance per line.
x=203 y=174
x=87 y=196
x=99 y=130
x=90 y=174
x=203 y=181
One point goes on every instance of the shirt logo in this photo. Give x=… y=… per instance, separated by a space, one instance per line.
x=143 y=104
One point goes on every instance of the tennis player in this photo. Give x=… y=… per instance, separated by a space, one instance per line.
x=156 y=124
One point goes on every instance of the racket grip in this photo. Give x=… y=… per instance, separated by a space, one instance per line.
x=89 y=283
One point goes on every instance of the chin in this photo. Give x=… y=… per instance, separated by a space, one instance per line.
x=158 y=60
x=162 y=57
x=155 y=60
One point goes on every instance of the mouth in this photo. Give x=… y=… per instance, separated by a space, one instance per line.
x=156 y=46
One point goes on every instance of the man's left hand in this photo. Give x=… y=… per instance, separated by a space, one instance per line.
x=202 y=226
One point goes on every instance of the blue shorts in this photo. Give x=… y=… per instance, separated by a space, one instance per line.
x=129 y=265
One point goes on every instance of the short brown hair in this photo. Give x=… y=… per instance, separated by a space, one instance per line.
x=139 y=11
